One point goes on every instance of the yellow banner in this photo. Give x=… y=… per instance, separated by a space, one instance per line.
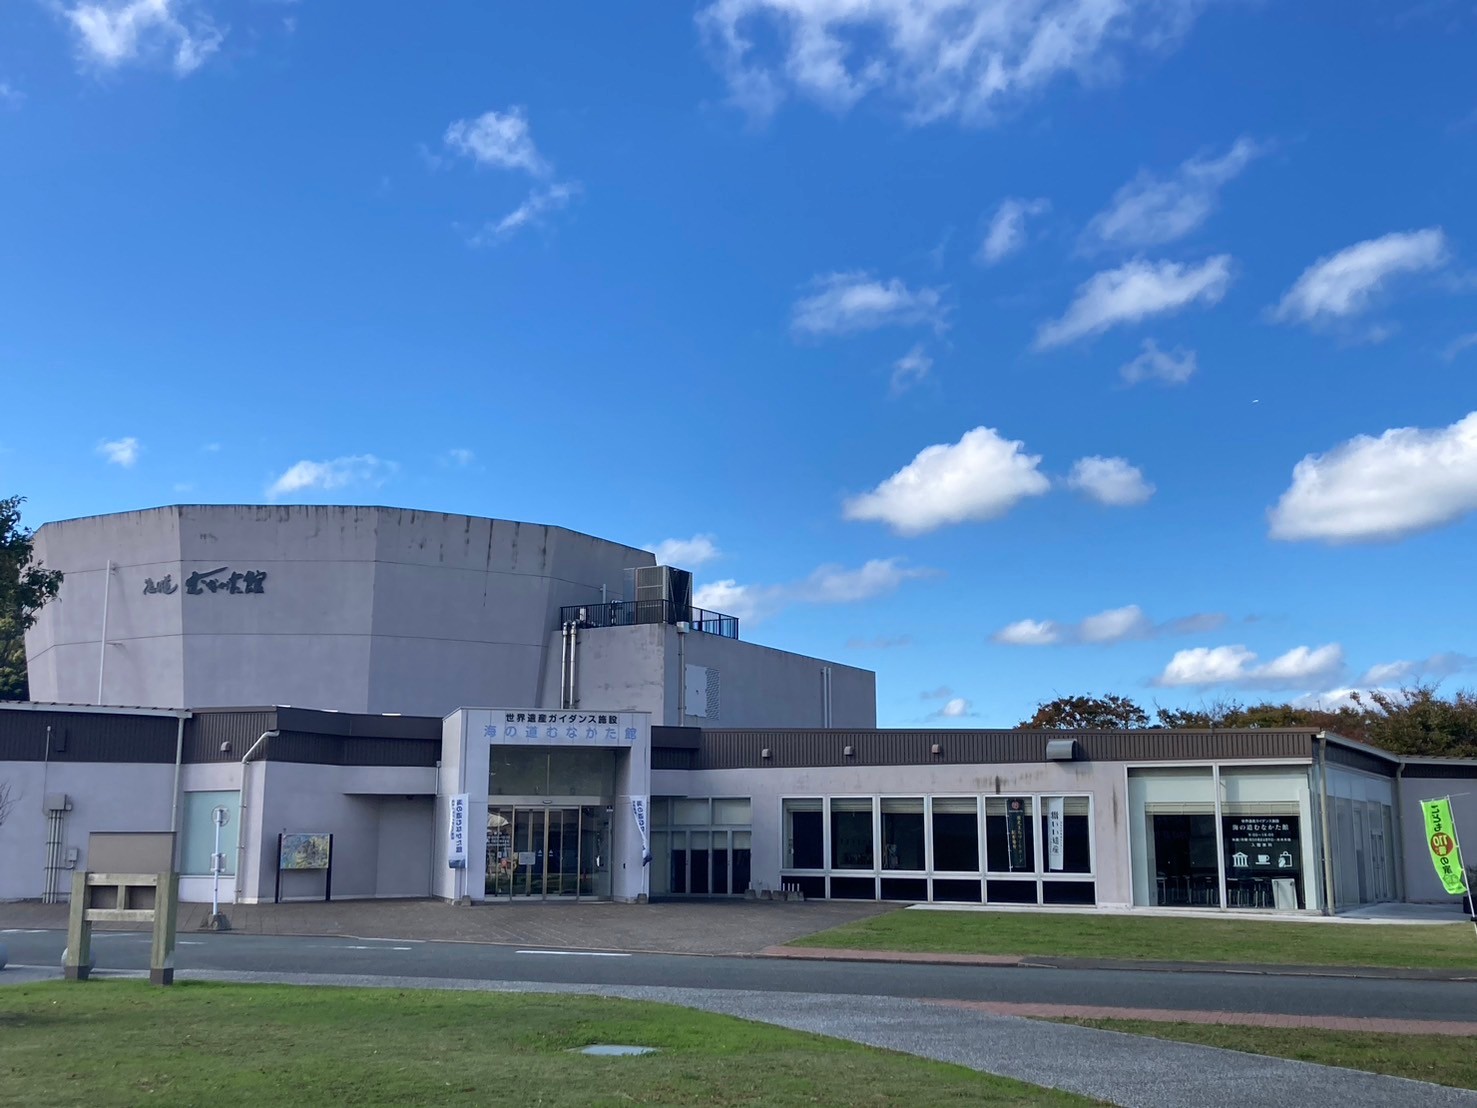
x=1446 y=854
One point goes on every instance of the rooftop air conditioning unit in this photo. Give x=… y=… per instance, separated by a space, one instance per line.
x=663 y=595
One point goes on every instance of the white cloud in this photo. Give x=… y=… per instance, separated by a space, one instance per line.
x=111 y=34
x=746 y=602
x=1410 y=479
x=686 y=553
x=1173 y=367
x=120 y=452
x=1112 y=482
x=1437 y=666
x=956 y=708
x=1007 y=231
x=498 y=139
x=357 y=469
x=964 y=59
x=539 y=203
x=1236 y=665
x=909 y=370
x=832 y=584
x=845 y=303
x=1458 y=344
x=1342 y=285
x=458 y=456
x=827 y=584
x=1134 y=291
x=980 y=477
x=1028 y=632
x=943 y=692
x=10 y=96
x=1150 y=211
x=1113 y=625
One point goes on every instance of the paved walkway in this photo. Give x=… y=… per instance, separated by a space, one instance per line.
x=671 y=927
x=1129 y=1070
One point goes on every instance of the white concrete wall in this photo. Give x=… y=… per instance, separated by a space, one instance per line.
x=348 y=802
x=105 y=796
x=641 y=667
x=363 y=609
x=1104 y=781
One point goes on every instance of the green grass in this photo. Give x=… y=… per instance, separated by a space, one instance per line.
x=1156 y=938
x=125 y=1043
x=1442 y=1059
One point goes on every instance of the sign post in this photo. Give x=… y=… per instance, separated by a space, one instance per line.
x=220 y=815
x=456 y=839
x=1446 y=851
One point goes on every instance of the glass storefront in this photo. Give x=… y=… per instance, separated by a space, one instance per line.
x=701 y=846
x=1037 y=848
x=1221 y=837
x=548 y=852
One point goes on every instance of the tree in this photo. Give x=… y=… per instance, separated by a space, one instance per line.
x=7 y=801
x=1087 y=713
x=25 y=586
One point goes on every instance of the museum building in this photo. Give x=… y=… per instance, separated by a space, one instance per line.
x=642 y=750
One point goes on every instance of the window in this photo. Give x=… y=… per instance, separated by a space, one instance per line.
x=956 y=835
x=1066 y=836
x=851 y=834
x=902 y=836
x=1010 y=845
x=804 y=834
x=732 y=811
x=198 y=840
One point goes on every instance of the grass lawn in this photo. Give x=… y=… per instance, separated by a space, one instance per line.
x=1439 y=1058
x=124 y=1043
x=1156 y=938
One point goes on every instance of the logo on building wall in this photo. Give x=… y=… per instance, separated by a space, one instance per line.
x=222 y=580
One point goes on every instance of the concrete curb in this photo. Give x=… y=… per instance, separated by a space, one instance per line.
x=1042 y=961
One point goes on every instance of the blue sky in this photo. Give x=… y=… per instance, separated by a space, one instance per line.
x=1008 y=349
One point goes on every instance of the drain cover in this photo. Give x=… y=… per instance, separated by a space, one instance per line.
x=610 y=1049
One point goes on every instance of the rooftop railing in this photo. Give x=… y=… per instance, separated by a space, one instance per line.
x=628 y=613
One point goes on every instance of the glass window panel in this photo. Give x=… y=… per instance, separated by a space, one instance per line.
x=1067 y=842
x=198 y=841
x=661 y=875
x=851 y=833
x=804 y=834
x=1010 y=845
x=956 y=835
x=690 y=813
x=902 y=834
x=730 y=811
x=661 y=811
x=698 y=857
x=742 y=858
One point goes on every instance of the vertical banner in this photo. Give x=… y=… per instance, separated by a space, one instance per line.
x=1055 y=832
x=638 y=809
x=456 y=844
x=1446 y=854
x=1015 y=832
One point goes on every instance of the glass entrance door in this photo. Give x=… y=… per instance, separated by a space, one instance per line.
x=544 y=852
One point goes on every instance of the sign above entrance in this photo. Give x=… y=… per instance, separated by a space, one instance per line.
x=531 y=727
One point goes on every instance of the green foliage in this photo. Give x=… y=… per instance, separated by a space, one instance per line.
x=1087 y=713
x=1416 y=720
x=25 y=586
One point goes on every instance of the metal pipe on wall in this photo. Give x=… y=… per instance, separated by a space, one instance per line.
x=574 y=647
x=1327 y=844
x=241 y=813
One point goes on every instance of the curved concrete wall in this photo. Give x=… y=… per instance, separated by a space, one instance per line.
x=361 y=609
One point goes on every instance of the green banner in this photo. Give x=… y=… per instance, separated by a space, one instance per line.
x=1446 y=855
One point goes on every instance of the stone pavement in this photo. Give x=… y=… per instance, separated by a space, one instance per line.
x=1129 y=1070
x=668 y=927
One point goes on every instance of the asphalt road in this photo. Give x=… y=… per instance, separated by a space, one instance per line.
x=1225 y=992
